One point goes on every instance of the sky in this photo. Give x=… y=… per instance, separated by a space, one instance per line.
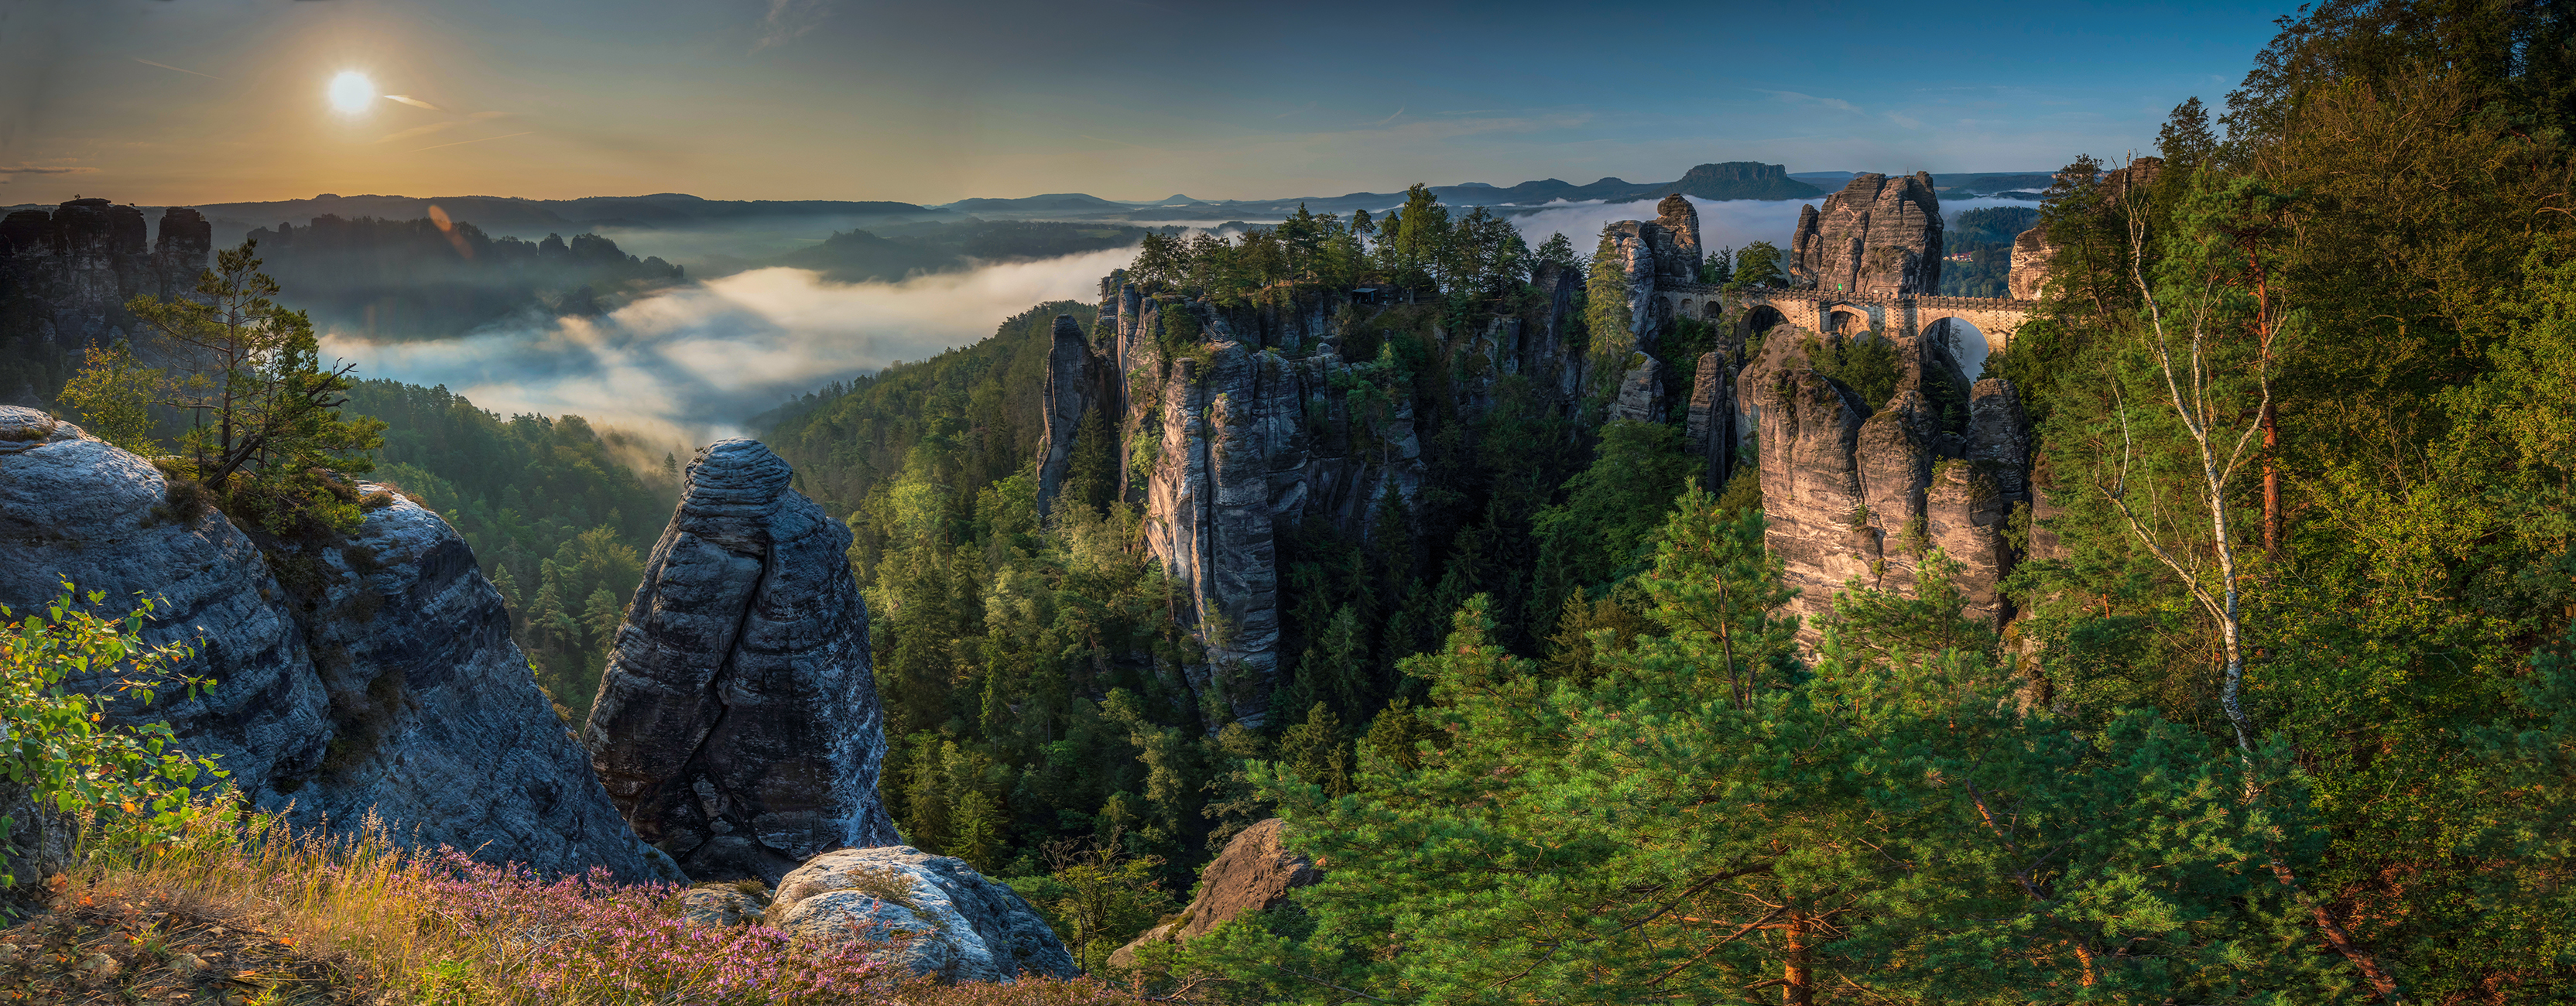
x=177 y=102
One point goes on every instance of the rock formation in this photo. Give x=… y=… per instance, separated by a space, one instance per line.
x=737 y=726
x=1073 y=388
x=2031 y=254
x=368 y=675
x=65 y=277
x=947 y=920
x=2033 y=250
x=1861 y=493
x=1879 y=236
x=1253 y=874
x=1710 y=424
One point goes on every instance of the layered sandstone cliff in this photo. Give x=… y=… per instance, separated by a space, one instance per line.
x=368 y=675
x=1879 y=236
x=737 y=726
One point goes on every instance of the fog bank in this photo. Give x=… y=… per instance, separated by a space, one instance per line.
x=693 y=364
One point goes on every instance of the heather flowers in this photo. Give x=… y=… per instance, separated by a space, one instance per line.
x=592 y=938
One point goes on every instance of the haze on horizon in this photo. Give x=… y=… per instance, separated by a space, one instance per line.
x=197 y=101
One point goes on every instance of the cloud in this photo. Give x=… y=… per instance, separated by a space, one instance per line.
x=437 y=126
x=1796 y=98
x=788 y=19
x=460 y=143
x=695 y=363
x=44 y=169
x=1906 y=121
x=167 y=66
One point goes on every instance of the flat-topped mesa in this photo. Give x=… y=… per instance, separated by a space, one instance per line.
x=1879 y=236
x=737 y=726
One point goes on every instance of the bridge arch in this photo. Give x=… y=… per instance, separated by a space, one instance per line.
x=1972 y=342
x=1846 y=319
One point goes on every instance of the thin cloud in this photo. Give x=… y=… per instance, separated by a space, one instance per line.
x=461 y=143
x=439 y=127
x=167 y=66
x=1399 y=110
x=413 y=102
x=1798 y=98
x=40 y=169
x=1908 y=122
x=789 y=19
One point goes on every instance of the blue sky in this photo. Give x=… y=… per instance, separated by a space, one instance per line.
x=176 y=101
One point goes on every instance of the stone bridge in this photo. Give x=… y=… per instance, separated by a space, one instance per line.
x=1997 y=318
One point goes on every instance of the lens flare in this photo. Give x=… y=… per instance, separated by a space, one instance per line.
x=351 y=91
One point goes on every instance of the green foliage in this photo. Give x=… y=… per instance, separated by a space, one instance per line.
x=1864 y=362
x=1097 y=897
x=1605 y=528
x=127 y=785
x=112 y=394
x=1708 y=814
x=557 y=517
x=261 y=405
x=1606 y=311
x=1757 y=264
x=972 y=412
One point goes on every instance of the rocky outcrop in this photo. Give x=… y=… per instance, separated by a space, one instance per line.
x=65 y=276
x=723 y=905
x=1710 y=424
x=1253 y=874
x=371 y=675
x=2033 y=251
x=1073 y=389
x=1863 y=493
x=1879 y=236
x=937 y=916
x=737 y=725
x=2031 y=255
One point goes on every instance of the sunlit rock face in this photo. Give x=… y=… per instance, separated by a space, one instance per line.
x=931 y=915
x=737 y=725
x=365 y=676
x=1879 y=236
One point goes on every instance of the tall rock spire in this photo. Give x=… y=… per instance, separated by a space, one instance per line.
x=737 y=725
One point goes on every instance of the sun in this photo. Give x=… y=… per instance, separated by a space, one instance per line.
x=351 y=91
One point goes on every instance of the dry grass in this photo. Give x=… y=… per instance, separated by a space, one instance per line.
x=278 y=918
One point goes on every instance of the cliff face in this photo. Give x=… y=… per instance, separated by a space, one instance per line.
x=737 y=726
x=1241 y=423
x=1878 y=236
x=376 y=675
x=65 y=277
x=1856 y=491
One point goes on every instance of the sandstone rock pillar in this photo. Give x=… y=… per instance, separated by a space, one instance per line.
x=737 y=726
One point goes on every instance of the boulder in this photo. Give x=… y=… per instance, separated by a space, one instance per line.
x=722 y=905
x=935 y=915
x=737 y=726
x=371 y=675
x=1253 y=874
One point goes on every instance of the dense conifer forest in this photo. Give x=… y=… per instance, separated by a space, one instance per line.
x=2288 y=723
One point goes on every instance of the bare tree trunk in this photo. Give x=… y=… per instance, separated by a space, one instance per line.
x=1797 y=980
x=2196 y=410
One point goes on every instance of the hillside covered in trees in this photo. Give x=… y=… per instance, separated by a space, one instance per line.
x=2282 y=715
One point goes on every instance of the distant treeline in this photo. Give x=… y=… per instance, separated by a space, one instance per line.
x=1985 y=236
x=420 y=279
x=862 y=256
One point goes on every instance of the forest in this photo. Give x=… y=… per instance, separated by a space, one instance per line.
x=2282 y=710
x=2290 y=721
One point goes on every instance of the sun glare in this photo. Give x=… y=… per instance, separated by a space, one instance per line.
x=351 y=91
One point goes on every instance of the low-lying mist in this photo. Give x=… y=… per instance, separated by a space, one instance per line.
x=694 y=363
